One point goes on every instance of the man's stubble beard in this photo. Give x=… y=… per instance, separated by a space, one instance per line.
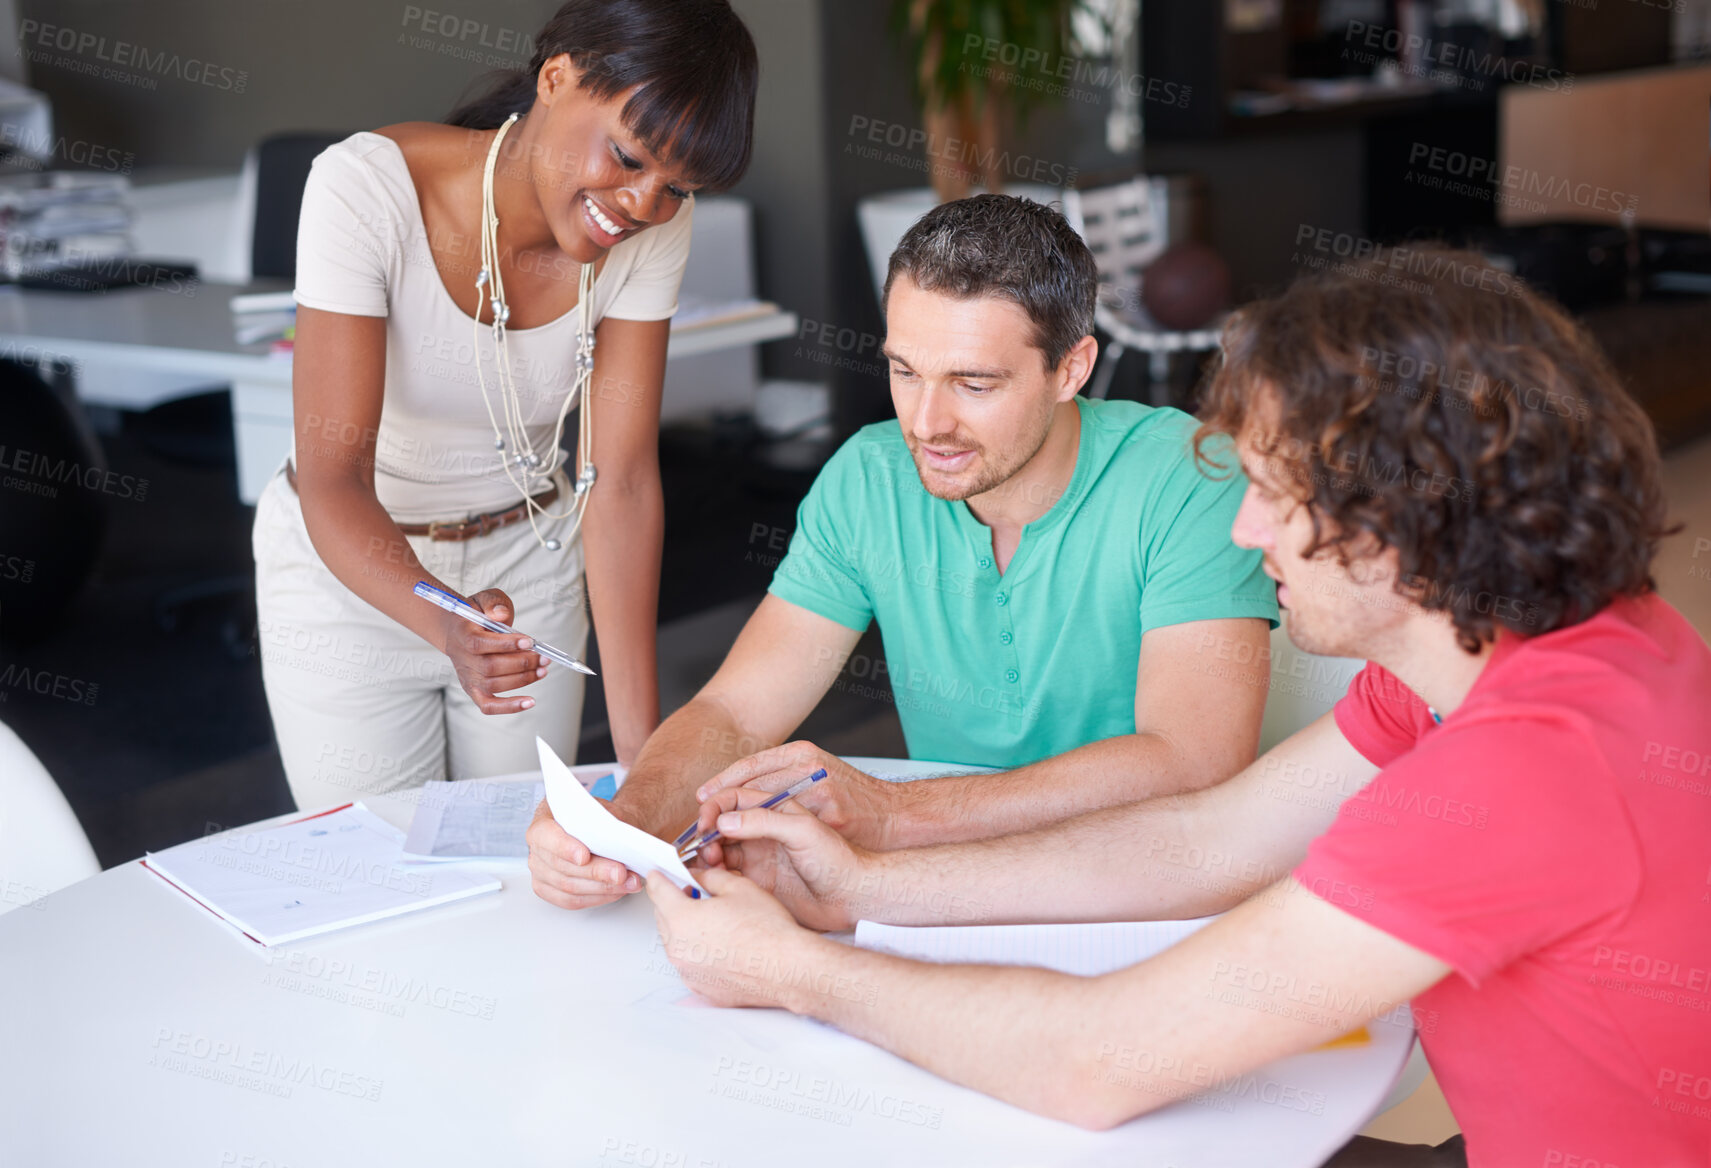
x=993 y=476
x=1334 y=625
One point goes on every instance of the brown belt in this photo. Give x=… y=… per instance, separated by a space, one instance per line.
x=461 y=529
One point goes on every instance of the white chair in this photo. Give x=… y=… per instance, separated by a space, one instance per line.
x=886 y=218
x=1127 y=226
x=42 y=846
x=1303 y=687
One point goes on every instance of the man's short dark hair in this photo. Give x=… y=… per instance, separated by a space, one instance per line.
x=1460 y=418
x=1014 y=248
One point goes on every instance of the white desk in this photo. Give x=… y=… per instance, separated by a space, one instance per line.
x=142 y=344
x=503 y=1031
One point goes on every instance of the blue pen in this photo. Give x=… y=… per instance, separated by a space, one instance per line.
x=475 y=616
x=687 y=852
x=683 y=836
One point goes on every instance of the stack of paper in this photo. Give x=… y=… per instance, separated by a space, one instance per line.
x=312 y=875
x=57 y=219
x=262 y=316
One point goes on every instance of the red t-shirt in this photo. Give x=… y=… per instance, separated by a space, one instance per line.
x=1551 y=842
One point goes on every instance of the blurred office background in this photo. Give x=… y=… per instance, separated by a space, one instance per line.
x=1246 y=139
x=1216 y=148
x=1241 y=140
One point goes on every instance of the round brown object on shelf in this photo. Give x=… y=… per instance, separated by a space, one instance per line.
x=1186 y=287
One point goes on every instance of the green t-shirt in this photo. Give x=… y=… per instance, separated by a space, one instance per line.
x=1004 y=670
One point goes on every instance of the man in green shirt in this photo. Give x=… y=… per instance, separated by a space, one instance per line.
x=1053 y=578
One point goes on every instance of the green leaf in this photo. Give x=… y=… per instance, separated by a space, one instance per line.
x=958 y=33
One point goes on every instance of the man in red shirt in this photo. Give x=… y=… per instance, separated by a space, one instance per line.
x=1507 y=818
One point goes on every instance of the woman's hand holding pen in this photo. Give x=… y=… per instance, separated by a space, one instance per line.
x=488 y=663
x=857 y=806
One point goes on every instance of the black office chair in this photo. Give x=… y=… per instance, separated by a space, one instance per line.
x=52 y=524
x=281 y=168
x=197 y=430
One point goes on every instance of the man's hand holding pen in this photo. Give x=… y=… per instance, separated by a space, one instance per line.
x=825 y=881
x=857 y=806
x=797 y=849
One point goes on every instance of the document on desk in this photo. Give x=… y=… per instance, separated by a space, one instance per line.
x=1084 y=950
x=586 y=818
x=488 y=819
x=312 y=875
x=472 y=819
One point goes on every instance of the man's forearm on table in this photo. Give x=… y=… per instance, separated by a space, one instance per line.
x=690 y=747
x=1054 y=1043
x=1171 y=857
x=1102 y=774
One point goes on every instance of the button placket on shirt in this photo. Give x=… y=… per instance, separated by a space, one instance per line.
x=993 y=589
x=1010 y=676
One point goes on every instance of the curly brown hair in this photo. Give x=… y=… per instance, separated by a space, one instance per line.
x=1458 y=417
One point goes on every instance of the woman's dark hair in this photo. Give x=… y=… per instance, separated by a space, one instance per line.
x=1010 y=247
x=1435 y=403
x=693 y=59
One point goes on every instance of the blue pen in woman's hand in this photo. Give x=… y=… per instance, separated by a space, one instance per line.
x=460 y=607
x=687 y=851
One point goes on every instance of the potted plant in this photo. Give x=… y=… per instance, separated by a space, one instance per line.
x=979 y=68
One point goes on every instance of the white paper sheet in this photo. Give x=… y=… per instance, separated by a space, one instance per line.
x=915 y=778
x=487 y=819
x=586 y=818
x=1085 y=950
x=474 y=819
x=310 y=875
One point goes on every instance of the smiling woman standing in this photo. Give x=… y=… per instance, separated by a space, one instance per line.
x=462 y=287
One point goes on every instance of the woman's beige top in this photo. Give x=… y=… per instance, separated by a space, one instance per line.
x=362 y=249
